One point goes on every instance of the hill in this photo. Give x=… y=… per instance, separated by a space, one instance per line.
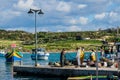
x=55 y=41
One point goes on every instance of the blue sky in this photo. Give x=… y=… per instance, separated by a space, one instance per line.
x=60 y=15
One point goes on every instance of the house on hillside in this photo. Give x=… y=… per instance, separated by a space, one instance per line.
x=87 y=38
x=106 y=37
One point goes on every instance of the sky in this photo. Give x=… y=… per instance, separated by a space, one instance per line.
x=60 y=15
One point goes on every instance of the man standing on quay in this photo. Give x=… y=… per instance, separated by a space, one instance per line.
x=78 y=57
x=62 y=57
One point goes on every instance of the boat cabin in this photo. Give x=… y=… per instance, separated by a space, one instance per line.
x=38 y=50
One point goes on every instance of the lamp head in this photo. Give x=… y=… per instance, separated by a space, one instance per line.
x=40 y=12
x=30 y=11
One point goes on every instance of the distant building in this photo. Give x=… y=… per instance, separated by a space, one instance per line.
x=87 y=38
x=106 y=37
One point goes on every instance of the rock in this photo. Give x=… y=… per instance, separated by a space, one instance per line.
x=109 y=64
x=56 y=64
x=37 y=64
x=99 y=65
x=50 y=63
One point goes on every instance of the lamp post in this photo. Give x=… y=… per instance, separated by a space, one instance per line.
x=96 y=55
x=35 y=11
x=96 y=62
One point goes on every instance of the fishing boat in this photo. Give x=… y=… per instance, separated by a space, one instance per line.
x=2 y=53
x=41 y=54
x=13 y=56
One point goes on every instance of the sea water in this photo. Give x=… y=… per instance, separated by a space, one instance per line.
x=6 y=69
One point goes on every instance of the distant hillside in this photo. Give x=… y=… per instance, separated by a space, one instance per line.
x=55 y=41
x=15 y=35
x=44 y=37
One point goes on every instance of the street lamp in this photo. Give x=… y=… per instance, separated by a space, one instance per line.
x=96 y=62
x=35 y=11
x=96 y=54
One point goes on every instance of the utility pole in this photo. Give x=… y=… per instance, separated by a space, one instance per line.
x=117 y=31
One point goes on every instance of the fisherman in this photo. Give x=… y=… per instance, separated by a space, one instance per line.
x=78 y=56
x=82 y=55
x=106 y=52
x=92 y=56
x=111 y=52
x=92 y=59
x=102 y=52
x=62 y=57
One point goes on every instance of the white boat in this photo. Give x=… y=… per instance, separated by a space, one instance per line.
x=40 y=55
x=2 y=53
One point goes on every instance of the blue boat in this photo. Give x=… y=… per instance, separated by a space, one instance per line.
x=13 y=56
x=40 y=55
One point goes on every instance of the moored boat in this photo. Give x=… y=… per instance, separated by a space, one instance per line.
x=40 y=55
x=13 y=56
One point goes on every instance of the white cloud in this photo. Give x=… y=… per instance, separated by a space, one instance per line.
x=113 y=17
x=59 y=31
x=17 y=28
x=13 y=13
x=9 y=14
x=44 y=30
x=25 y=4
x=100 y=16
x=73 y=21
x=81 y=6
x=74 y=28
x=79 y=12
x=83 y=20
x=63 y=6
x=113 y=14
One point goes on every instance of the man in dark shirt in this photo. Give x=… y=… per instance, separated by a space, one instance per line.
x=62 y=57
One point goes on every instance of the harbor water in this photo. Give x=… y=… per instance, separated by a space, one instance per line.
x=6 y=71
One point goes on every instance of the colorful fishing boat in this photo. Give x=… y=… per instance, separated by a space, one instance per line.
x=13 y=56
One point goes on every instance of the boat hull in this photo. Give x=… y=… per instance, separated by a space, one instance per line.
x=39 y=57
x=39 y=54
x=13 y=56
x=13 y=59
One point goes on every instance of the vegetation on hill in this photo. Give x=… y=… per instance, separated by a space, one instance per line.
x=55 y=41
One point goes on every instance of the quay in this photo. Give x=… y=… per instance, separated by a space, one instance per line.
x=67 y=71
